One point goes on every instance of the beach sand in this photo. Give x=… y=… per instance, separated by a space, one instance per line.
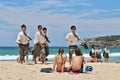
x=11 y=70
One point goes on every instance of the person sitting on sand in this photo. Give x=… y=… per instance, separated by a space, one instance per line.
x=92 y=55
x=91 y=60
x=98 y=54
x=77 y=62
x=59 y=61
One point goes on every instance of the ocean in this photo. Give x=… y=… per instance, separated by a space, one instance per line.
x=11 y=53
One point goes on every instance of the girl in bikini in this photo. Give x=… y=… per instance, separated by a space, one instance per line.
x=59 y=61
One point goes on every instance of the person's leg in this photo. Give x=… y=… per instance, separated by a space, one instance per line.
x=43 y=55
x=26 y=53
x=21 y=52
x=35 y=53
x=26 y=60
x=39 y=53
x=71 y=51
x=82 y=66
x=34 y=56
x=107 y=60
x=69 y=68
x=107 y=57
x=46 y=50
x=34 y=59
x=18 y=59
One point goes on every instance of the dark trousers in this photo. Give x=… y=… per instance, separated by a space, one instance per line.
x=72 y=51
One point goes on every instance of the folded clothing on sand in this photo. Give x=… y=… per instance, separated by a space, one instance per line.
x=46 y=70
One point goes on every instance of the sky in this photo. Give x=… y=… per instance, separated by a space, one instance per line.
x=92 y=18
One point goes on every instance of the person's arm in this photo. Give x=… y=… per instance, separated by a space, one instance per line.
x=108 y=51
x=18 y=39
x=55 y=62
x=64 y=61
x=83 y=60
x=81 y=39
x=70 y=66
x=63 y=66
x=68 y=39
x=36 y=40
x=93 y=51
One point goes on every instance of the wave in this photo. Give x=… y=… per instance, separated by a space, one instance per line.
x=13 y=57
x=50 y=57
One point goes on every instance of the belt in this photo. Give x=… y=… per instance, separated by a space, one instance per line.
x=24 y=44
x=40 y=43
x=73 y=46
x=43 y=43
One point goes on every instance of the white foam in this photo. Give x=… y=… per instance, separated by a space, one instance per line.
x=50 y=57
x=114 y=54
x=8 y=57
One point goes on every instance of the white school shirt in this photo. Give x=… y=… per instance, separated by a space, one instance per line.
x=98 y=50
x=39 y=38
x=72 y=38
x=93 y=50
x=24 y=39
x=106 y=50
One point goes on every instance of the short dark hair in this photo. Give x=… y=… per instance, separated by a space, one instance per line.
x=78 y=52
x=23 y=25
x=73 y=27
x=60 y=50
x=39 y=26
x=44 y=28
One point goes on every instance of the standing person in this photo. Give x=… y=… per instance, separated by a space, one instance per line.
x=98 y=54
x=106 y=54
x=45 y=50
x=23 y=42
x=38 y=40
x=72 y=39
x=93 y=52
x=59 y=61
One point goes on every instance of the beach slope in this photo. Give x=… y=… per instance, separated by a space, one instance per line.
x=11 y=70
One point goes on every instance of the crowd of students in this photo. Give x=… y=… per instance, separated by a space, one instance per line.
x=96 y=54
x=40 y=50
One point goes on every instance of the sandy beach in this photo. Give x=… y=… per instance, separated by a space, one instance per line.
x=11 y=70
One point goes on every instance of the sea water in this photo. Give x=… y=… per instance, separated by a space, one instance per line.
x=11 y=53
